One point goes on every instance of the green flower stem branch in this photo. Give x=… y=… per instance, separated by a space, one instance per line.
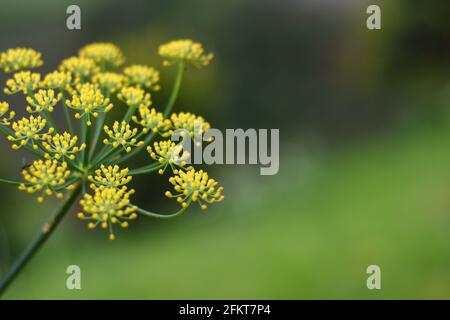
x=158 y=215
x=147 y=169
x=98 y=130
x=129 y=113
x=88 y=146
x=67 y=114
x=40 y=239
x=49 y=118
x=10 y=182
x=176 y=88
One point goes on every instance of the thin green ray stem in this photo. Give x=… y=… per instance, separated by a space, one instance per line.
x=72 y=164
x=67 y=115
x=175 y=89
x=106 y=149
x=161 y=216
x=11 y=182
x=87 y=138
x=48 y=116
x=147 y=169
x=167 y=110
x=100 y=158
x=37 y=243
x=98 y=130
x=129 y=114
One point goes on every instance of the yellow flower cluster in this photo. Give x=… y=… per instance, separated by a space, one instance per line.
x=195 y=186
x=121 y=134
x=5 y=119
x=169 y=154
x=82 y=68
x=110 y=176
x=29 y=130
x=193 y=124
x=135 y=97
x=57 y=80
x=143 y=77
x=87 y=84
x=61 y=146
x=20 y=59
x=187 y=50
x=43 y=100
x=89 y=101
x=109 y=82
x=151 y=120
x=103 y=53
x=107 y=207
x=48 y=176
x=24 y=81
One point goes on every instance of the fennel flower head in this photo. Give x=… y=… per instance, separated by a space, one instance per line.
x=87 y=155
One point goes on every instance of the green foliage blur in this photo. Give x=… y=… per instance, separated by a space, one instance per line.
x=365 y=162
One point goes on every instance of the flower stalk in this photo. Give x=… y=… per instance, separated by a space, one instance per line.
x=40 y=239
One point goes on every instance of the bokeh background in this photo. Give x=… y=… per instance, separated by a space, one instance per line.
x=365 y=160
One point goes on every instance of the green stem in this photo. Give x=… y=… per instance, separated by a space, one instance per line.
x=97 y=132
x=87 y=138
x=167 y=110
x=11 y=182
x=129 y=114
x=158 y=215
x=37 y=243
x=73 y=165
x=67 y=115
x=101 y=158
x=48 y=116
x=147 y=169
x=98 y=126
x=175 y=89
x=106 y=149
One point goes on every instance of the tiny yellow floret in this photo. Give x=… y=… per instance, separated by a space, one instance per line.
x=47 y=177
x=110 y=176
x=43 y=100
x=29 y=130
x=121 y=135
x=186 y=50
x=195 y=186
x=5 y=118
x=20 y=59
x=103 y=53
x=107 y=207
x=62 y=146
x=143 y=77
x=23 y=81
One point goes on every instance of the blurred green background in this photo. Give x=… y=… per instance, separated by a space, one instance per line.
x=365 y=161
